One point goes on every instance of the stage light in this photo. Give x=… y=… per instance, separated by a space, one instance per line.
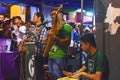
x=89 y=14
x=79 y=10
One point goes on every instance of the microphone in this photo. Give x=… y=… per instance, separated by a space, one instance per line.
x=46 y=22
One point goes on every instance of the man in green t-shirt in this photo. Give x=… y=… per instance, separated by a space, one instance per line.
x=95 y=66
x=58 y=50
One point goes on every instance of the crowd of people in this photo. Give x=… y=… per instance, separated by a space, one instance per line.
x=69 y=36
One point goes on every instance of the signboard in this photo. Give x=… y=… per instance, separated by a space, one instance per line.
x=30 y=61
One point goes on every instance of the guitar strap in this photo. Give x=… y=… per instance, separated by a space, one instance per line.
x=38 y=31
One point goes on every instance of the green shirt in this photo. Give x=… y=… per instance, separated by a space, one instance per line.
x=58 y=50
x=95 y=62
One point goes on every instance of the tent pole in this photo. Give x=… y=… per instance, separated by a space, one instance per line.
x=81 y=12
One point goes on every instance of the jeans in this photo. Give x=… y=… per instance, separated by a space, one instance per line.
x=56 y=66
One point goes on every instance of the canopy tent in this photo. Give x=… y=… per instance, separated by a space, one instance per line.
x=87 y=19
x=67 y=4
x=36 y=3
x=71 y=4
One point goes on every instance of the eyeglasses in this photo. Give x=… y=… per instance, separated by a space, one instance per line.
x=53 y=14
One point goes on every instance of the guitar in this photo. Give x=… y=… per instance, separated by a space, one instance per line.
x=21 y=47
x=55 y=29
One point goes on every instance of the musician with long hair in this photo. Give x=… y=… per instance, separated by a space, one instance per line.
x=58 y=50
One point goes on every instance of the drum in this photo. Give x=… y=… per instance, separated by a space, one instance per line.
x=67 y=78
